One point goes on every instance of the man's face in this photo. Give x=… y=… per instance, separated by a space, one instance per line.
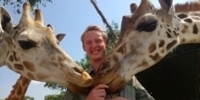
x=94 y=45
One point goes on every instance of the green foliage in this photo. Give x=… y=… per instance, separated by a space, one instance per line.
x=54 y=86
x=111 y=37
x=17 y=4
x=54 y=97
x=84 y=62
x=28 y=98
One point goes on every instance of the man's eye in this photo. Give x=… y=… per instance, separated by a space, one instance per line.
x=99 y=41
x=88 y=43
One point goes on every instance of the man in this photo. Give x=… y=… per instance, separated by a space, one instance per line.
x=95 y=42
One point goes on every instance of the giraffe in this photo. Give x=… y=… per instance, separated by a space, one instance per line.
x=19 y=89
x=147 y=35
x=129 y=55
x=31 y=49
x=22 y=84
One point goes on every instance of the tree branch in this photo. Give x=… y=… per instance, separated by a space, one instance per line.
x=103 y=18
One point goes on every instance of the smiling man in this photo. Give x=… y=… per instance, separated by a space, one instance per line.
x=95 y=42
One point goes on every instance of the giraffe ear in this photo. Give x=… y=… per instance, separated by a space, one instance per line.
x=5 y=20
x=60 y=36
x=167 y=6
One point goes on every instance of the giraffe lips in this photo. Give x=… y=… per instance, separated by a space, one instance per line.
x=84 y=81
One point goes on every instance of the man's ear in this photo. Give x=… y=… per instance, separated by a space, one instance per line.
x=83 y=46
x=107 y=43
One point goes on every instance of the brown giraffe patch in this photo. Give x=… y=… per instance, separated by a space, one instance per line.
x=152 y=47
x=9 y=40
x=171 y=44
x=11 y=58
x=162 y=20
x=161 y=26
x=167 y=25
x=183 y=40
x=188 y=20
x=168 y=34
x=161 y=43
x=155 y=57
x=195 y=29
x=144 y=62
x=42 y=76
x=115 y=58
x=169 y=30
x=122 y=49
x=162 y=51
x=177 y=29
x=19 y=90
x=15 y=98
x=158 y=33
x=14 y=55
x=60 y=58
x=30 y=75
x=29 y=65
x=43 y=64
x=182 y=15
x=185 y=28
x=25 y=81
x=175 y=33
x=19 y=67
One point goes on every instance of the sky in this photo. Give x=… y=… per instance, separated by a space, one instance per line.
x=70 y=17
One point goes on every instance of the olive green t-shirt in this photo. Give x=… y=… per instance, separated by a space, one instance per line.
x=133 y=90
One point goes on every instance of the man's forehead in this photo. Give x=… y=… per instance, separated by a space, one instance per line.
x=91 y=35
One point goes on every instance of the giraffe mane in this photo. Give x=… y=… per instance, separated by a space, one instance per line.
x=188 y=6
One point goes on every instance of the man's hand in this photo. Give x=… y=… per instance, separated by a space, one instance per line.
x=97 y=93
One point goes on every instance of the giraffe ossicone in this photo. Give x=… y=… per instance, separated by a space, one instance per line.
x=30 y=49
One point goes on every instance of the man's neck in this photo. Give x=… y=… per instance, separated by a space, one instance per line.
x=96 y=64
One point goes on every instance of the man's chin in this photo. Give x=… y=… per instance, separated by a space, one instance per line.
x=97 y=57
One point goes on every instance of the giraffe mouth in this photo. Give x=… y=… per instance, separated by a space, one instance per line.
x=83 y=79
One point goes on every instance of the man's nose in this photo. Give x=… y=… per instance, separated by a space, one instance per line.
x=94 y=45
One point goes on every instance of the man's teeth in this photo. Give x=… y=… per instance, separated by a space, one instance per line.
x=95 y=52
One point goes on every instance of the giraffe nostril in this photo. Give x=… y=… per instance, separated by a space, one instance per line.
x=77 y=70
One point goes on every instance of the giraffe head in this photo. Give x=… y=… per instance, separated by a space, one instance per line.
x=32 y=50
x=147 y=35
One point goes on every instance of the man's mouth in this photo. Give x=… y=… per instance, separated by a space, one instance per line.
x=95 y=52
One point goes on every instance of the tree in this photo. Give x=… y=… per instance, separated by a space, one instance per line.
x=28 y=98
x=55 y=96
x=17 y=4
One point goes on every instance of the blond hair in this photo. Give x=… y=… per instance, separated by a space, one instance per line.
x=95 y=28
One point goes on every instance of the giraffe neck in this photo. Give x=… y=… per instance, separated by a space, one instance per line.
x=188 y=28
x=19 y=89
x=117 y=55
x=185 y=30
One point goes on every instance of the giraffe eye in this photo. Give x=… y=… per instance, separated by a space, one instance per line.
x=148 y=26
x=26 y=44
